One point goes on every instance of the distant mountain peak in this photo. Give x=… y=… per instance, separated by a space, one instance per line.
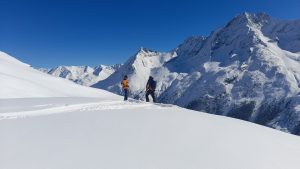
x=249 y=16
x=144 y=50
x=141 y=54
x=100 y=67
x=84 y=75
x=248 y=19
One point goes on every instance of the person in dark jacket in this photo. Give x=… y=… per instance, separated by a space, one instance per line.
x=125 y=87
x=150 y=89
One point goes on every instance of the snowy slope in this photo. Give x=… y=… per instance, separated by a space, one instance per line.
x=83 y=75
x=248 y=69
x=19 y=80
x=98 y=133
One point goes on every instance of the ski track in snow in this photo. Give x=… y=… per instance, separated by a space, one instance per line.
x=85 y=107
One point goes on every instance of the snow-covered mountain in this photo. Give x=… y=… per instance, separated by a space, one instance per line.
x=138 y=68
x=248 y=69
x=50 y=122
x=83 y=75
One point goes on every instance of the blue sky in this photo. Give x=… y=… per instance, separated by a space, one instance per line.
x=48 y=33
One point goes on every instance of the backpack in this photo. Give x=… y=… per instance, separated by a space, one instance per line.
x=153 y=85
x=124 y=84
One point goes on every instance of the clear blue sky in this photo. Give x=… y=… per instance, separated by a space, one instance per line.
x=48 y=33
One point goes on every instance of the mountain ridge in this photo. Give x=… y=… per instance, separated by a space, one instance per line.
x=246 y=65
x=83 y=75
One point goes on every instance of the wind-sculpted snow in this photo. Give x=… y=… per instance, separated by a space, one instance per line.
x=248 y=69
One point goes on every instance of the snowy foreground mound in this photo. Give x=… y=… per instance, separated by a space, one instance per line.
x=69 y=133
x=54 y=132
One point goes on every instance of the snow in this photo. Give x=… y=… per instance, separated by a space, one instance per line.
x=83 y=75
x=138 y=68
x=19 y=80
x=42 y=129
x=101 y=133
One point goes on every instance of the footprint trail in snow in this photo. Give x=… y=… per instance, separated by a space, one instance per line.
x=66 y=105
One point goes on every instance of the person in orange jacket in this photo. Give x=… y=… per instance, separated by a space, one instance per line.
x=125 y=87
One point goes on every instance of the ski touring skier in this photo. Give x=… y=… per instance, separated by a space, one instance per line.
x=125 y=87
x=150 y=89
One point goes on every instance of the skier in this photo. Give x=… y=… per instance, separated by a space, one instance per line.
x=125 y=87
x=150 y=89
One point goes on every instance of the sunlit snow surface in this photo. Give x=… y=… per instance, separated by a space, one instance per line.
x=70 y=133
